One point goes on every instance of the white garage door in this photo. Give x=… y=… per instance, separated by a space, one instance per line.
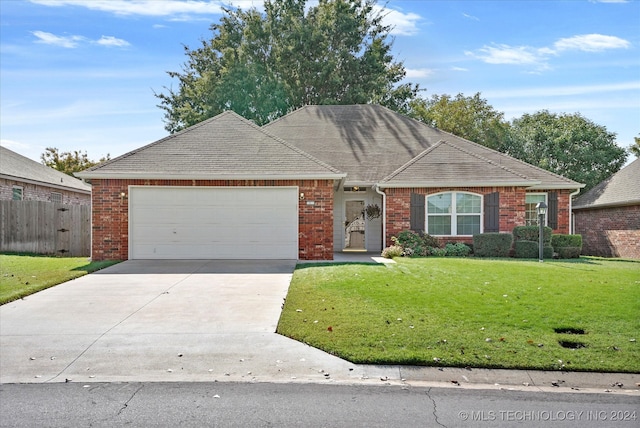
x=213 y=223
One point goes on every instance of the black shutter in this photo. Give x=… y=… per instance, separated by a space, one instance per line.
x=417 y=212
x=552 y=213
x=492 y=212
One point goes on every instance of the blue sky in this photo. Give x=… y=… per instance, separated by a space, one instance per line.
x=81 y=74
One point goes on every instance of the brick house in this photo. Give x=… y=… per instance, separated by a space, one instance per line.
x=319 y=180
x=26 y=180
x=608 y=216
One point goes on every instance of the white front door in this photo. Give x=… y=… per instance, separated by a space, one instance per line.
x=354 y=226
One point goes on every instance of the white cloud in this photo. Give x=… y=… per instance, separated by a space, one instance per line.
x=505 y=54
x=402 y=24
x=62 y=41
x=112 y=41
x=591 y=43
x=141 y=7
x=609 y=1
x=74 y=41
x=417 y=73
x=555 y=91
x=471 y=17
x=459 y=69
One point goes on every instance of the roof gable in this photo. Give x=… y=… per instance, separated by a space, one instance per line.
x=622 y=188
x=18 y=167
x=226 y=146
x=371 y=142
x=445 y=164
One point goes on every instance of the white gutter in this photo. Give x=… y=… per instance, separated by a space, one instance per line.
x=571 y=223
x=384 y=215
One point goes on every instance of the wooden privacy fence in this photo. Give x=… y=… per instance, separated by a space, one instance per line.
x=45 y=228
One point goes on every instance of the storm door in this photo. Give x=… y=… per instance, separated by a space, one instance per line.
x=354 y=226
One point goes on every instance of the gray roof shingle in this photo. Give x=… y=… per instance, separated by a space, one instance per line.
x=371 y=142
x=226 y=146
x=16 y=166
x=622 y=188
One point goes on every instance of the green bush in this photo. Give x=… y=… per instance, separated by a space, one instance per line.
x=568 y=252
x=530 y=250
x=530 y=233
x=392 y=251
x=457 y=249
x=415 y=244
x=492 y=244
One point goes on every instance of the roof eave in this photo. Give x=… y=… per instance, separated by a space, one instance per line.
x=48 y=184
x=400 y=184
x=607 y=205
x=542 y=186
x=169 y=176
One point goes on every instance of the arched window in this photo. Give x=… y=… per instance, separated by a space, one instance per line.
x=454 y=214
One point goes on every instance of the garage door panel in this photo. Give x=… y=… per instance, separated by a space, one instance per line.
x=201 y=222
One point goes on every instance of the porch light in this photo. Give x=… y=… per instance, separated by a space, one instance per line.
x=541 y=208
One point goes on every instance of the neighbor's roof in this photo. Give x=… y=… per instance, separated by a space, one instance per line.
x=14 y=166
x=226 y=146
x=371 y=143
x=622 y=188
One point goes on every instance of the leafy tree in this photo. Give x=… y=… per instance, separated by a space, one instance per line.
x=567 y=144
x=635 y=147
x=467 y=117
x=68 y=162
x=263 y=65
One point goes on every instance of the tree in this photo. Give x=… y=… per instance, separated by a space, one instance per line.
x=635 y=147
x=68 y=162
x=263 y=65
x=567 y=144
x=467 y=117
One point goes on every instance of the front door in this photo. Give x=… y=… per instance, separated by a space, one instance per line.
x=354 y=226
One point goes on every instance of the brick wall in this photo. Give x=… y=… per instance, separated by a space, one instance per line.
x=110 y=216
x=37 y=192
x=512 y=208
x=610 y=232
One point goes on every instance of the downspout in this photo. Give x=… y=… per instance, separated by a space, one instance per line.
x=571 y=221
x=384 y=215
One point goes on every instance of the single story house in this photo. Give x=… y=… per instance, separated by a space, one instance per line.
x=23 y=179
x=608 y=216
x=319 y=180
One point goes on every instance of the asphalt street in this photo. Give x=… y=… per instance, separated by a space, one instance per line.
x=231 y=404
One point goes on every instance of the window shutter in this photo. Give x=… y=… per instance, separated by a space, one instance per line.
x=552 y=213
x=492 y=212
x=417 y=212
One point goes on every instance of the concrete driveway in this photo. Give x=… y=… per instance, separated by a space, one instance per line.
x=158 y=321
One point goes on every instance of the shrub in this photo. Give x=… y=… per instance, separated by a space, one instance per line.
x=530 y=233
x=457 y=250
x=392 y=251
x=492 y=244
x=437 y=252
x=530 y=249
x=415 y=244
x=567 y=246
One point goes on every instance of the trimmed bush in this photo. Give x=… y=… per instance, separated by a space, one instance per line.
x=392 y=251
x=415 y=244
x=530 y=233
x=492 y=244
x=567 y=246
x=457 y=250
x=529 y=250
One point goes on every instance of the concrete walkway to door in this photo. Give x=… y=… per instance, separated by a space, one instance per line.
x=160 y=321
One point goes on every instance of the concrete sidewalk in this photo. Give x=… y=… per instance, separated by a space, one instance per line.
x=146 y=321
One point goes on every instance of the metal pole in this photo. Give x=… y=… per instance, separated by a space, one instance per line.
x=541 y=238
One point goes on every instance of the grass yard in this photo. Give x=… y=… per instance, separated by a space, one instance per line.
x=21 y=275
x=580 y=315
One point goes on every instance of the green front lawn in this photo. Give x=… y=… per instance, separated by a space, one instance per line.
x=21 y=275
x=471 y=312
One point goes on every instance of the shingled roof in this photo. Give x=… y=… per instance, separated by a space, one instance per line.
x=376 y=145
x=18 y=167
x=226 y=146
x=622 y=188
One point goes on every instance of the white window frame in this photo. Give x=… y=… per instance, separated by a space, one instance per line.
x=21 y=189
x=454 y=214
x=546 y=201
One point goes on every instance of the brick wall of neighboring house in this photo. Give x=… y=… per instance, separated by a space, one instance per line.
x=41 y=192
x=511 y=211
x=609 y=232
x=110 y=216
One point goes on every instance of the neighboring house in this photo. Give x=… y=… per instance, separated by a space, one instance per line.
x=297 y=188
x=26 y=180
x=608 y=216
